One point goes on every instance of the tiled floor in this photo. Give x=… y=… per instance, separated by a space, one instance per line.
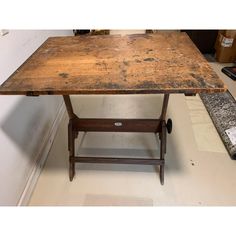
x=199 y=170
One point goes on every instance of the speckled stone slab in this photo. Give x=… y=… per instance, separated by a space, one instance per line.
x=222 y=110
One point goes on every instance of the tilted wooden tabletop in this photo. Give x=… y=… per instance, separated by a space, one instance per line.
x=113 y=64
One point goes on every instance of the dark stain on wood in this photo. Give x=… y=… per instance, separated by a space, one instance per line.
x=199 y=79
x=149 y=51
x=108 y=85
x=149 y=59
x=188 y=83
x=147 y=84
x=194 y=75
x=64 y=75
x=123 y=74
x=112 y=64
x=126 y=63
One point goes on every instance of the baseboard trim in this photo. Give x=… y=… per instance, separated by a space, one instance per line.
x=41 y=158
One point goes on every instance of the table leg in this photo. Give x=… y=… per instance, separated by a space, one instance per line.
x=164 y=106
x=69 y=107
x=162 y=136
x=77 y=124
x=162 y=150
x=72 y=135
x=71 y=145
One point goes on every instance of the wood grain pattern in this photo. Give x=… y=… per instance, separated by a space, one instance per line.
x=113 y=64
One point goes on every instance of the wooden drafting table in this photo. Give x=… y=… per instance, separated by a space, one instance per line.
x=161 y=63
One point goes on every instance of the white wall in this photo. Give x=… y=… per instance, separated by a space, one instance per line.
x=24 y=121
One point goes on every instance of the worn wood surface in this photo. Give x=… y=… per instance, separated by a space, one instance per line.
x=113 y=64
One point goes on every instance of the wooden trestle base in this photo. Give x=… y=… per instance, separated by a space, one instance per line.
x=157 y=126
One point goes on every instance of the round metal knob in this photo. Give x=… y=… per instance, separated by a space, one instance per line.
x=169 y=126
